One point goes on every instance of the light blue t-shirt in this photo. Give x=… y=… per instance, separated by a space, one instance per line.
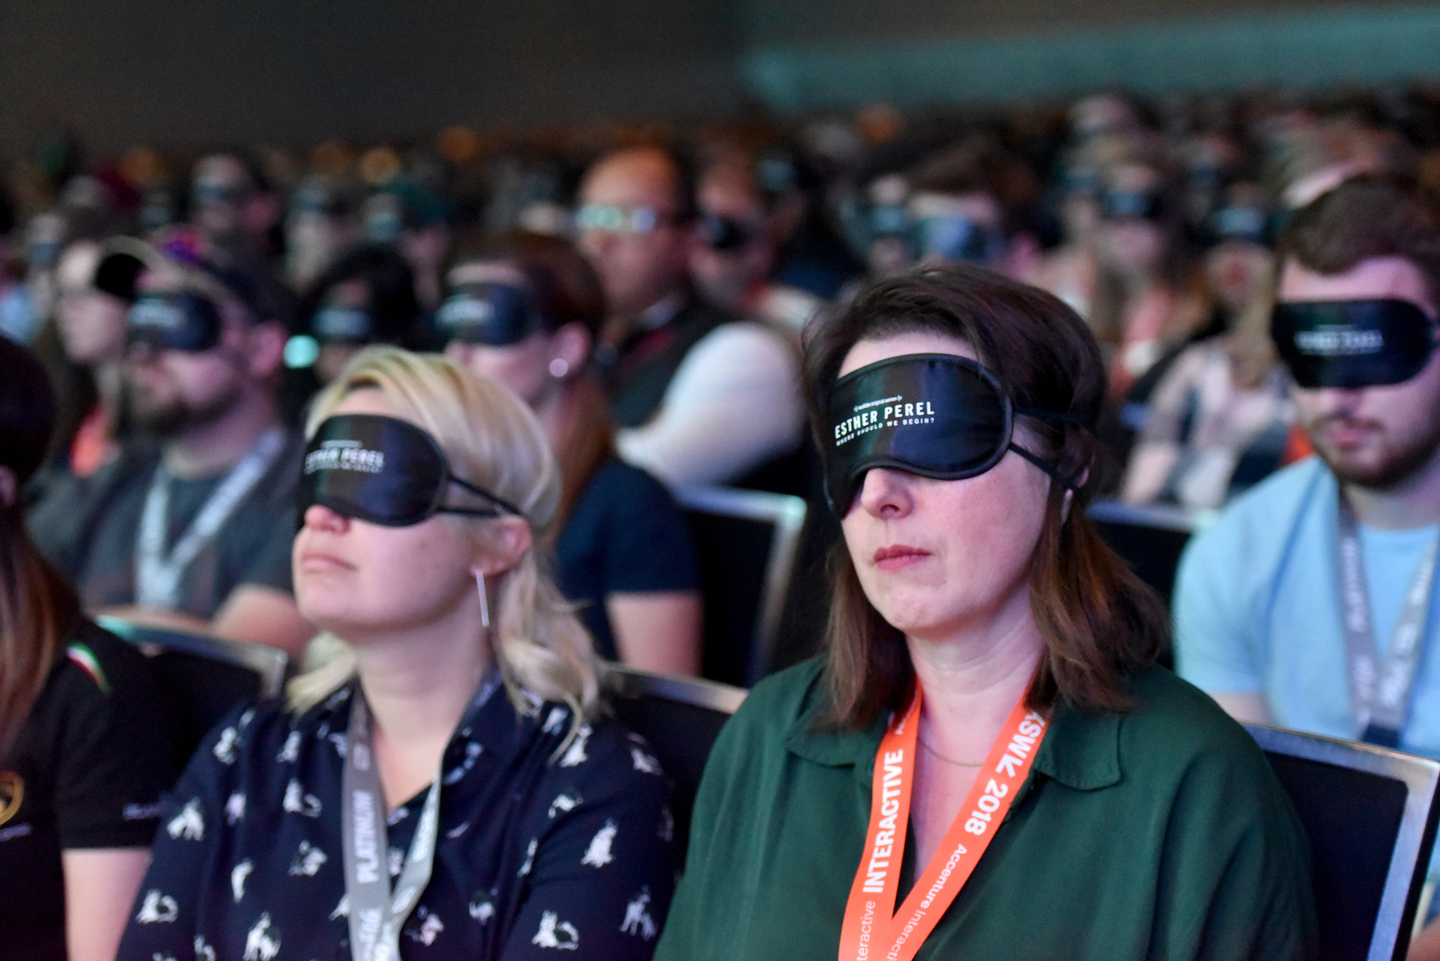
x=1257 y=607
x=17 y=314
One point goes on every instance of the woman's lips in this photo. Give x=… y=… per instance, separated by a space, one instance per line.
x=895 y=557
x=321 y=561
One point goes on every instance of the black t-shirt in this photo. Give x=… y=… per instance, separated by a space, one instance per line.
x=625 y=534
x=89 y=528
x=87 y=771
x=539 y=852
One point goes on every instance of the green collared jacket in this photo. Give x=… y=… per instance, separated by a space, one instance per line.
x=1160 y=833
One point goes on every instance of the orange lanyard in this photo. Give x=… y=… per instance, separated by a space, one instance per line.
x=872 y=930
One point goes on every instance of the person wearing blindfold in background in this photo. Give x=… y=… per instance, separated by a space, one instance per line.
x=1310 y=603
x=1219 y=418
x=233 y=205
x=731 y=267
x=192 y=532
x=987 y=762
x=442 y=783
x=1148 y=298
x=367 y=296
x=696 y=398
x=526 y=313
x=83 y=754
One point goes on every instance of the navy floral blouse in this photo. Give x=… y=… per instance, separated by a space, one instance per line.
x=539 y=855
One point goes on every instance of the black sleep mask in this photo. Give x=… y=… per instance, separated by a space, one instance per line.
x=1352 y=343
x=382 y=470
x=182 y=321
x=936 y=415
x=350 y=324
x=489 y=313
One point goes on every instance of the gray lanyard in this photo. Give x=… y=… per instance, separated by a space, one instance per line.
x=1380 y=694
x=375 y=915
x=157 y=575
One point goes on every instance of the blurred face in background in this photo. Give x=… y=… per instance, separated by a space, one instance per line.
x=735 y=251
x=1240 y=268
x=635 y=244
x=173 y=391
x=317 y=229
x=219 y=194
x=335 y=354
x=225 y=200
x=1131 y=238
x=91 y=323
x=1239 y=272
x=536 y=367
x=1383 y=435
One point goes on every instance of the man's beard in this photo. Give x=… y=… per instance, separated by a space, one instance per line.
x=171 y=417
x=1400 y=464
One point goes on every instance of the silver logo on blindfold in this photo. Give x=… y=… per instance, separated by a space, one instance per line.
x=1339 y=341
x=157 y=315
x=466 y=311
x=886 y=412
x=344 y=455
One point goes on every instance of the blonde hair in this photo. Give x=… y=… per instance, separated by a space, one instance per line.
x=491 y=439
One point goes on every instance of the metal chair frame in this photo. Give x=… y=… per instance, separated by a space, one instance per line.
x=271 y=664
x=712 y=695
x=1410 y=856
x=786 y=513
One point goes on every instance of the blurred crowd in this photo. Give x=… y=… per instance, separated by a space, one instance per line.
x=1154 y=221
x=646 y=292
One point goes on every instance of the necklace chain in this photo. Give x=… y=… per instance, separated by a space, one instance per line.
x=948 y=760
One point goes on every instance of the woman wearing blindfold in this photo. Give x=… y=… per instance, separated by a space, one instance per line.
x=1149 y=294
x=440 y=783
x=526 y=313
x=986 y=762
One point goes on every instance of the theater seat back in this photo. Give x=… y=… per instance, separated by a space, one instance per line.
x=1370 y=815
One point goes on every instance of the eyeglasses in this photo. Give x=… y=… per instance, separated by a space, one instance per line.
x=218 y=194
x=613 y=219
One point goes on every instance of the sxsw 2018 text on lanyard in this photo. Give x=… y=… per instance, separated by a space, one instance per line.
x=873 y=930
x=1380 y=695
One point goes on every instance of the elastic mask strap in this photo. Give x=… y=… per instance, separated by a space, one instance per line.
x=480 y=511
x=1066 y=417
x=1046 y=466
x=1049 y=468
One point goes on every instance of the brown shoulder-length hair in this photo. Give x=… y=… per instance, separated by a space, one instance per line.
x=567 y=291
x=1098 y=620
x=37 y=607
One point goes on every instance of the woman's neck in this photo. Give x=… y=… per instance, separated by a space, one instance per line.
x=576 y=422
x=973 y=677
x=417 y=684
x=555 y=411
x=972 y=684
